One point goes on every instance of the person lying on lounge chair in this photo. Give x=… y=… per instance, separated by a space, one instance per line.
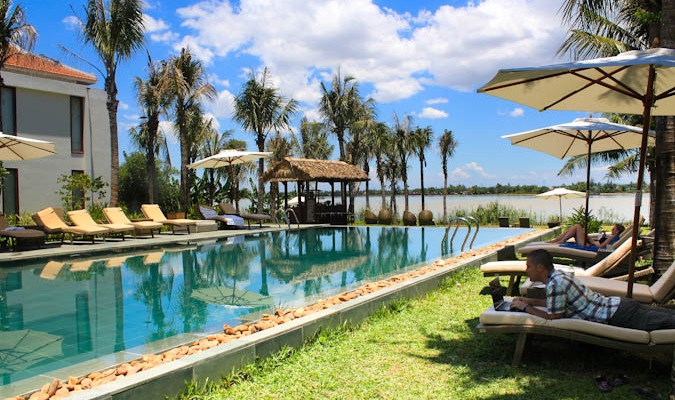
x=567 y=297
x=585 y=242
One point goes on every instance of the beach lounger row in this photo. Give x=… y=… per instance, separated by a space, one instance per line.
x=52 y=221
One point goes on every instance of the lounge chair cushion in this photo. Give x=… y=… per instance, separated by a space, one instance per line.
x=664 y=336
x=115 y=215
x=492 y=317
x=82 y=218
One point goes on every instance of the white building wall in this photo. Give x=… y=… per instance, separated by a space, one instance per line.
x=43 y=112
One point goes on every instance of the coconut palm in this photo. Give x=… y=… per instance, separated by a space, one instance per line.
x=15 y=32
x=421 y=140
x=634 y=24
x=281 y=148
x=153 y=98
x=340 y=106
x=260 y=109
x=188 y=87
x=313 y=141
x=212 y=144
x=380 y=139
x=402 y=146
x=447 y=145
x=115 y=29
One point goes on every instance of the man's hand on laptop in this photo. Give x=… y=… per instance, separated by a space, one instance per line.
x=518 y=303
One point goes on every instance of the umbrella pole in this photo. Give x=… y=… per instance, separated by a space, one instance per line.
x=647 y=102
x=560 y=202
x=588 y=183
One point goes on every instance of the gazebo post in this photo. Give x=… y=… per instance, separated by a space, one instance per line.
x=285 y=196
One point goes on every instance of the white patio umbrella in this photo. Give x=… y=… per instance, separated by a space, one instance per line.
x=581 y=136
x=228 y=158
x=561 y=193
x=23 y=148
x=634 y=82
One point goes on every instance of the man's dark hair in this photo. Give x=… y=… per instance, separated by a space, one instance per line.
x=543 y=257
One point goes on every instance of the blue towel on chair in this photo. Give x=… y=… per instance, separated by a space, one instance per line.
x=573 y=245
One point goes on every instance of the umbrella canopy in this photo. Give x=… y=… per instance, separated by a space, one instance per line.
x=23 y=348
x=21 y=148
x=228 y=158
x=560 y=193
x=232 y=297
x=581 y=136
x=634 y=82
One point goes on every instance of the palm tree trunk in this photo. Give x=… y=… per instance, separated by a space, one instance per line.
x=664 y=241
x=422 y=180
x=261 y=185
x=111 y=105
x=184 y=183
x=445 y=195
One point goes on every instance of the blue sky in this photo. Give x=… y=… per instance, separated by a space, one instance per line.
x=420 y=58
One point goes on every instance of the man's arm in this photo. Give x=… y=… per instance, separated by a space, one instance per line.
x=529 y=306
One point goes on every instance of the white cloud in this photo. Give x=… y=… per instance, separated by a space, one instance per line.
x=153 y=25
x=470 y=171
x=72 y=23
x=167 y=128
x=433 y=113
x=459 y=173
x=517 y=112
x=439 y=100
x=223 y=106
x=398 y=54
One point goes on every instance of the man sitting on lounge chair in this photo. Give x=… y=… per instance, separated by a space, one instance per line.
x=585 y=242
x=567 y=297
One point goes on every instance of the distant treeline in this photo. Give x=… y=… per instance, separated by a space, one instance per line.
x=596 y=188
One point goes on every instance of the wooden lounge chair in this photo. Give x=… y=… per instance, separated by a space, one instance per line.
x=51 y=223
x=595 y=333
x=516 y=269
x=82 y=218
x=658 y=292
x=19 y=237
x=228 y=209
x=116 y=215
x=153 y=212
x=224 y=221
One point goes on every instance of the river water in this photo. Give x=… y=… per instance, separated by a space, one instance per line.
x=607 y=207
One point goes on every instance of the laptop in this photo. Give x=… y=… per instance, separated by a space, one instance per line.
x=497 y=292
x=499 y=302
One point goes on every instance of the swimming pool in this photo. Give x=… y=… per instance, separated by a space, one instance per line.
x=61 y=313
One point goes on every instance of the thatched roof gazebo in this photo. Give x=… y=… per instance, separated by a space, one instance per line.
x=302 y=170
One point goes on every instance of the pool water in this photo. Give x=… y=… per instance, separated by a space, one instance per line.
x=57 y=313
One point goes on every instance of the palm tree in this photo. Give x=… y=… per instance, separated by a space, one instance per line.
x=260 y=109
x=188 y=87
x=212 y=144
x=153 y=99
x=421 y=140
x=447 y=145
x=15 y=31
x=339 y=106
x=313 y=141
x=115 y=29
x=380 y=139
x=402 y=145
x=633 y=24
x=281 y=148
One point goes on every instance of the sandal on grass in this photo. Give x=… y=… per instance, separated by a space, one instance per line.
x=619 y=380
x=602 y=384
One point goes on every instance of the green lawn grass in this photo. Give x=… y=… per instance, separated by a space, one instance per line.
x=427 y=349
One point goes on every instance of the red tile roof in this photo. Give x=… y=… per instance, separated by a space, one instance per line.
x=24 y=62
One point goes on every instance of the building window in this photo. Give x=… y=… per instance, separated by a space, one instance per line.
x=8 y=110
x=76 y=125
x=10 y=192
x=78 y=194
